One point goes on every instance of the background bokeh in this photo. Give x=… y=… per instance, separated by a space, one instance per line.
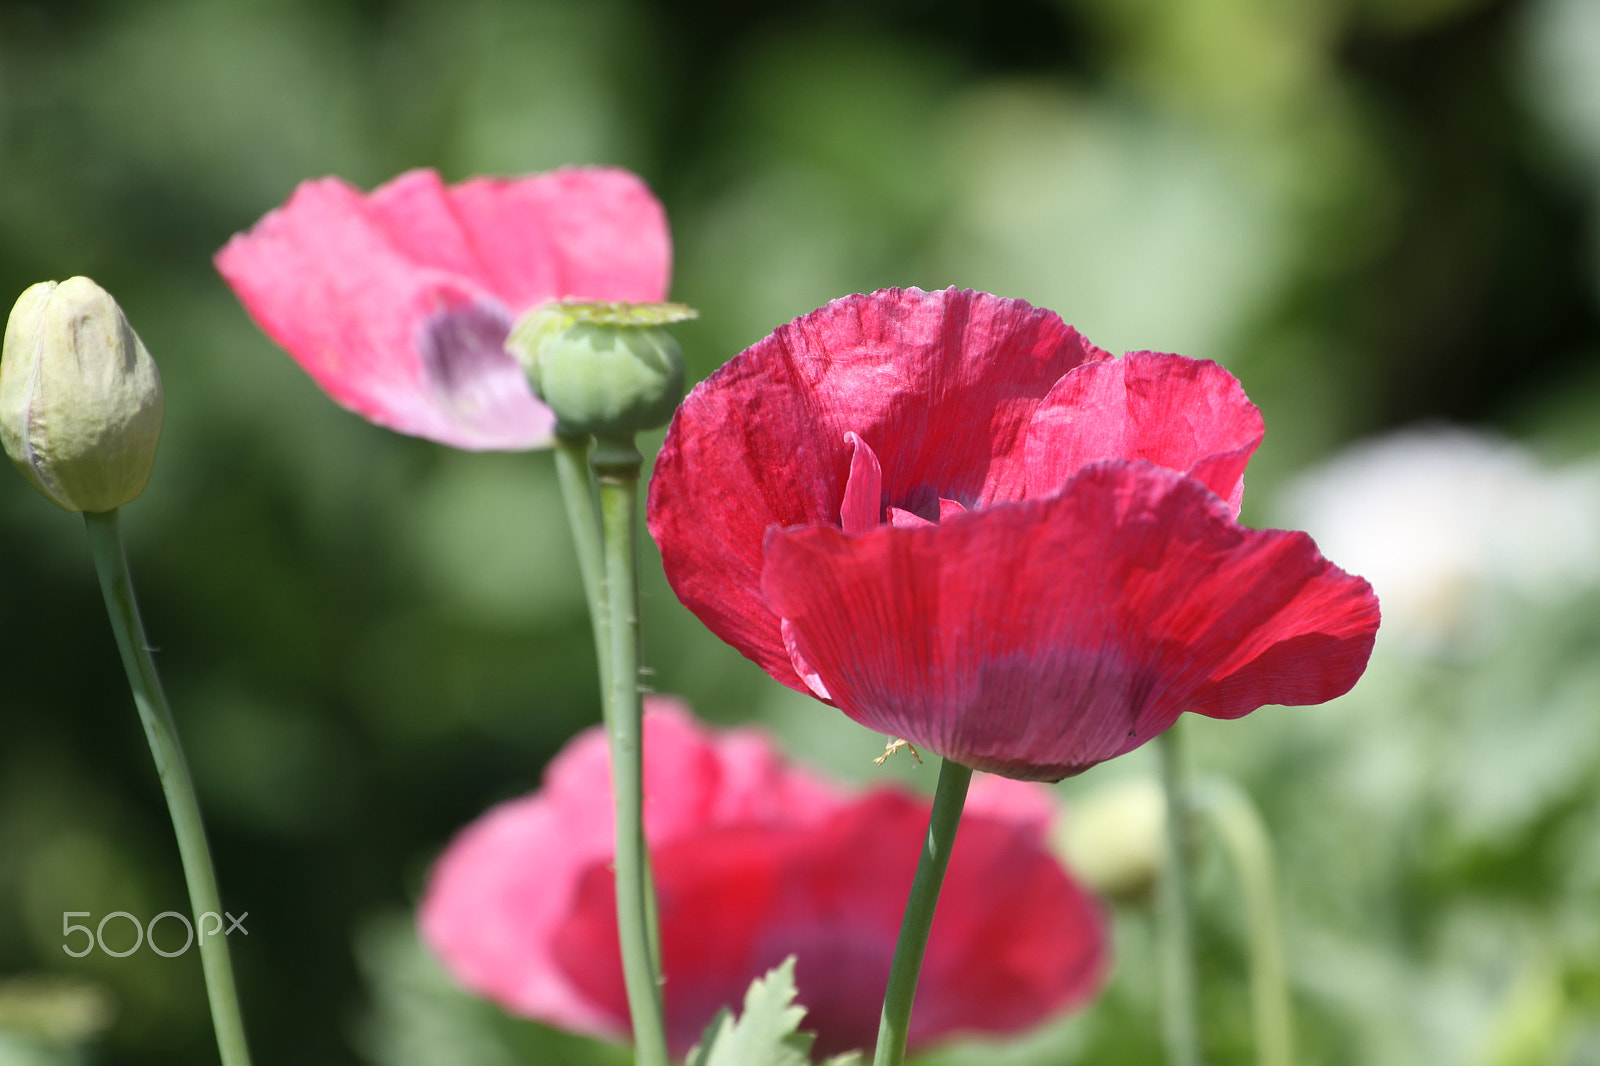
x=1380 y=214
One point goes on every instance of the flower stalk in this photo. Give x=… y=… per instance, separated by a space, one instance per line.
x=607 y=371
x=616 y=465
x=1249 y=847
x=111 y=563
x=949 y=799
x=1180 y=1015
x=583 y=516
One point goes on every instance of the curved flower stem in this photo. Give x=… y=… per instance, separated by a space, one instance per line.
x=1245 y=837
x=1180 y=1025
x=111 y=563
x=948 y=800
x=617 y=465
x=583 y=515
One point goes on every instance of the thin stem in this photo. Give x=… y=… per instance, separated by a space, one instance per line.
x=110 y=561
x=1180 y=1025
x=948 y=800
x=1250 y=848
x=578 y=491
x=636 y=921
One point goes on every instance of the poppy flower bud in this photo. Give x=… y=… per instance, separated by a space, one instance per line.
x=1113 y=838
x=610 y=369
x=80 y=398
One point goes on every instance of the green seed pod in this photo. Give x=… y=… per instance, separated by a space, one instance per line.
x=606 y=369
x=80 y=398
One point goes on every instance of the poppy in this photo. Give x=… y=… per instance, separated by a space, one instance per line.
x=952 y=517
x=755 y=860
x=398 y=302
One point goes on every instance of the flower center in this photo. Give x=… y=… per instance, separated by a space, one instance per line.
x=863 y=509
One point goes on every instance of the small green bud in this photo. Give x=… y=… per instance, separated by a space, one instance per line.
x=610 y=369
x=80 y=398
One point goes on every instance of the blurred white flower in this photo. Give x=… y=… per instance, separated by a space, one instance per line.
x=1448 y=524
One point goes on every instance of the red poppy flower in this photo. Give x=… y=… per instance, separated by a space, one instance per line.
x=755 y=861
x=398 y=303
x=955 y=519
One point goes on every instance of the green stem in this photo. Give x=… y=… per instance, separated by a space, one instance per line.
x=617 y=463
x=1250 y=848
x=578 y=491
x=111 y=562
x=1180 y=1025
x=948 y=800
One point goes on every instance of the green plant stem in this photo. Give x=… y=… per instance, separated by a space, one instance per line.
x=583 y=515
x=948 y=800
x=617 y=465
x=1249 y=847
x=111 y=562
x=1180 y=1016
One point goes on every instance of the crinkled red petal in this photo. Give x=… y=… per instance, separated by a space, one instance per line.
x=945 y=382
x=1040 y=638
x=1188 y=415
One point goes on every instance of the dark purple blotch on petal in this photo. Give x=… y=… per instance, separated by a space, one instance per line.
x=465 y=362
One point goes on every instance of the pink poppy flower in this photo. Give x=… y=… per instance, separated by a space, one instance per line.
x=398 y=303
x=756 y=860
x=959 y=522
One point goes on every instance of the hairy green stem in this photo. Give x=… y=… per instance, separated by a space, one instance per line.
x=1180 y=1015
x=1245 y=838
x=617 y=465
x=948 y=800
x=111 y=562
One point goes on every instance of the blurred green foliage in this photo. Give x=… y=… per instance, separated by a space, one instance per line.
x=1373 y=211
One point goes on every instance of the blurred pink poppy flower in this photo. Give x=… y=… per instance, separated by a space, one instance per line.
x=756 y=860
x=954 y=518
x=398 y=303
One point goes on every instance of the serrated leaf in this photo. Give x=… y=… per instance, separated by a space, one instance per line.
x=767 y=1032
x=699 y=1053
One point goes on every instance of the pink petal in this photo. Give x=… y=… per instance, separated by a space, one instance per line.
x=714 y=891
x=1188 y=415
x=1013 y=941
x=1021 y=803
x=494 y=900
x=803 y=669
x=507 y=883
x=907 y=520
x=862 y=503
x=606 y=235
x=398 y=304
x=1040 y=638
x=948 y=379
x=692 y=778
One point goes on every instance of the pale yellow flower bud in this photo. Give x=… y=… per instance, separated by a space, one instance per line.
x=80 y=398
x=1113 y=838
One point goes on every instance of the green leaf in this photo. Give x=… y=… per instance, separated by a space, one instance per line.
x=767 y=1033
